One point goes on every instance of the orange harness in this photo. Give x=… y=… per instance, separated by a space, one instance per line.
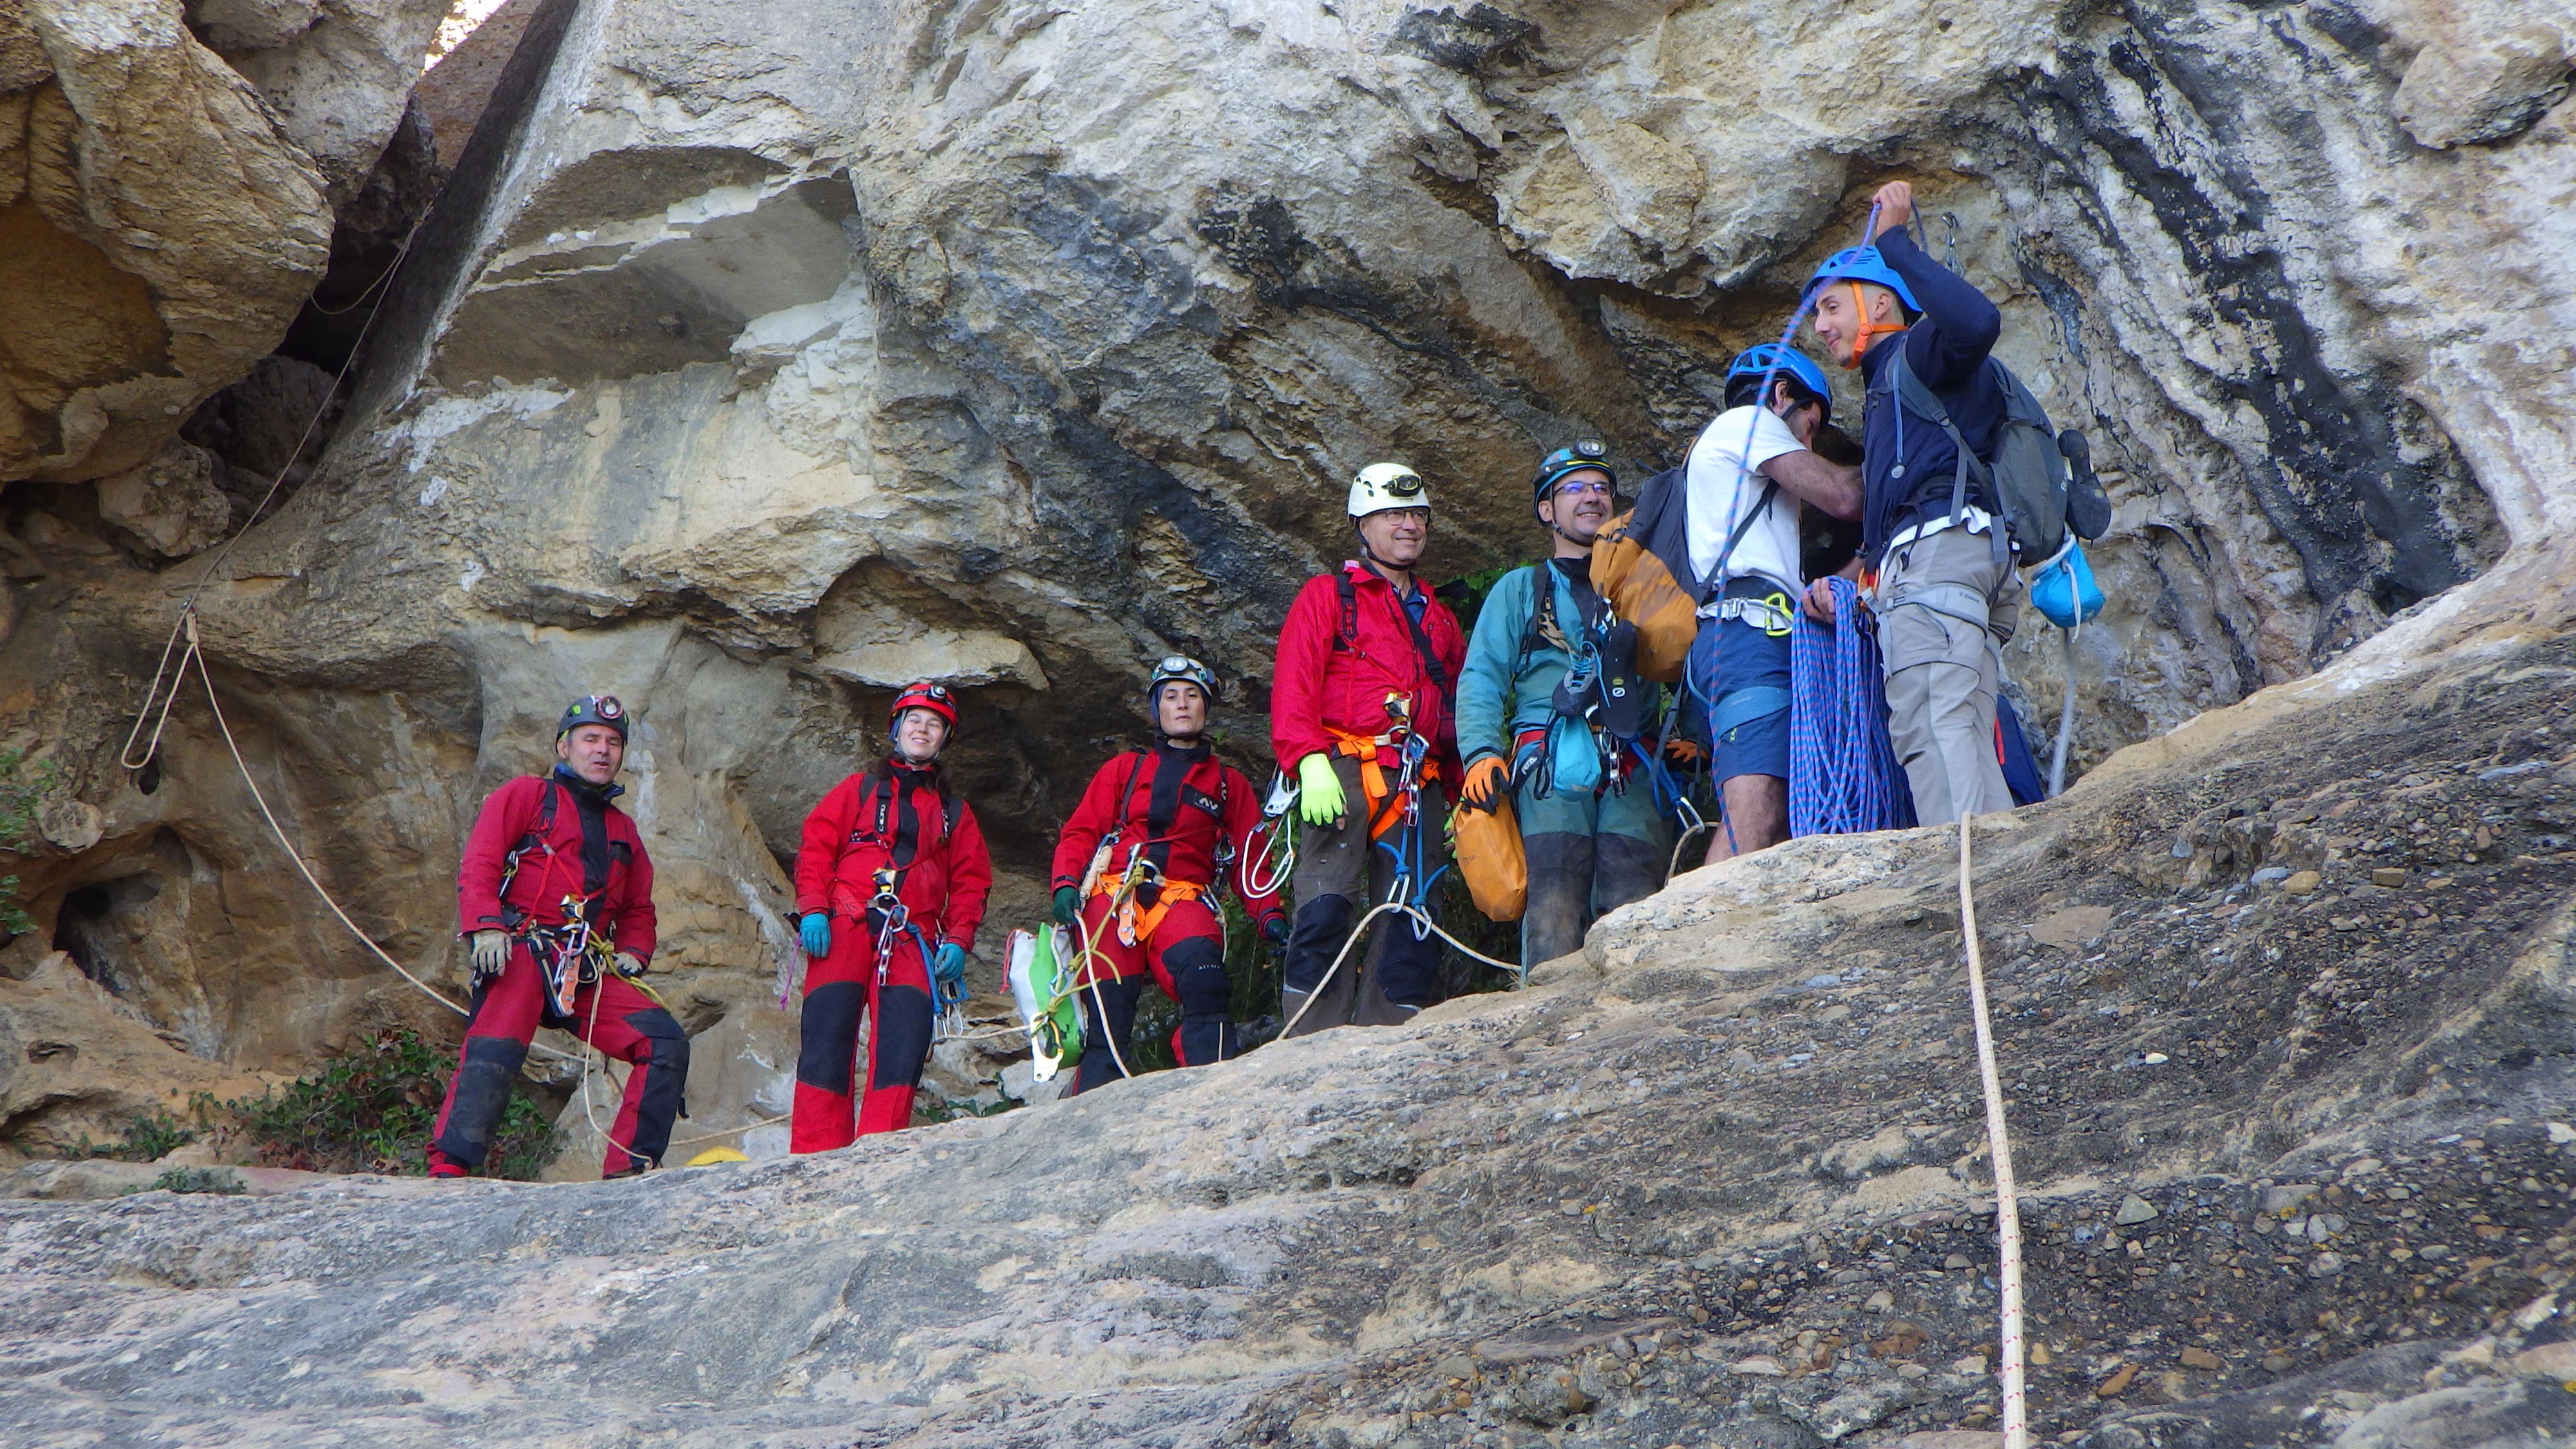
x=1138 y=926
x=1383 y=804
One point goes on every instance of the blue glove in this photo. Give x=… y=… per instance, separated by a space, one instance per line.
x=817 y=931
x=949 y=963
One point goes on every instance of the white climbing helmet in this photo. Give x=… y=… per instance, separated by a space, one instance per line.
x=1383 y=486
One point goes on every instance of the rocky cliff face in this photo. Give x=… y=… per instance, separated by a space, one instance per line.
x=2283 y=1006
x=761 y=355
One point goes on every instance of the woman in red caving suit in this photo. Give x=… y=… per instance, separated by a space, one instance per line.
x=890 y=886
x=1175 y=817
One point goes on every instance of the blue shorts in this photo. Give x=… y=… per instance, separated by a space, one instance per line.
x=1729 y=656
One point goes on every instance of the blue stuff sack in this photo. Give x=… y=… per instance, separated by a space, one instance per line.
x=2063 y=588
x=1574 y=761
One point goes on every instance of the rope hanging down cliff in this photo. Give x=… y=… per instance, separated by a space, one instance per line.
x=2016 y=1409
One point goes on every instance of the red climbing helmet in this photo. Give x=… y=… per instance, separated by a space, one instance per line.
x=922 y=694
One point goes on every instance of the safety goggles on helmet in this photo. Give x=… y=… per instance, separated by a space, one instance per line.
x=1185 y=669
x=1772 y=359
x=1385 y=488
x=924 y=695
x=1587 y=455
x=594 y=709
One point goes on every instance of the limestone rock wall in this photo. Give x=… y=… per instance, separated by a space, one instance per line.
x=168 y=182
x=763 y=354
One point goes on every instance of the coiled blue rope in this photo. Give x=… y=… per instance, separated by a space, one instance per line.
x=1843 y=775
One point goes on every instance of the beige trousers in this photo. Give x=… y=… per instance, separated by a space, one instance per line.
x=1945 y=605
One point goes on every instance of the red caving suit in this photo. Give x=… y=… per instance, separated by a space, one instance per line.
x=1174 y=806
x=892 y=816
x=570 y=841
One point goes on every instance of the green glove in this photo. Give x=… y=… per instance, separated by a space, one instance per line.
x=1319 y=790
x=1068 y=904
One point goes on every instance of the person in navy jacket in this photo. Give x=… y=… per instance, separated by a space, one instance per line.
x=1946 y=590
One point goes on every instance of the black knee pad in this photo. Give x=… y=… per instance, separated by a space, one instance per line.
x=1408 y=971
x=902 y=1036
x=1198 y=977
x=482 y=1094
x=666 y=1080
x=830 y=1036
x=1627 y=869
x=1322 y=925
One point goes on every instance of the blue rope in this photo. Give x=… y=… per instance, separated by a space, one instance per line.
x=1843 y=775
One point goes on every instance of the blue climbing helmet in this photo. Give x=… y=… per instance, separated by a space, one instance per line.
x=1553 y=468
x=1772 y=358
x=1858 y=264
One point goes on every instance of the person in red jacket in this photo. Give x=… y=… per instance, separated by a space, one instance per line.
x=1153 y=838
x=555 y=885
x=1360 y=713
x=890 y=886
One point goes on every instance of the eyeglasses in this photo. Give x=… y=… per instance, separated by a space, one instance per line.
x=1587 y=485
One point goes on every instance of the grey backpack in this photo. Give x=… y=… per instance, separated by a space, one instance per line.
x=2041 y=480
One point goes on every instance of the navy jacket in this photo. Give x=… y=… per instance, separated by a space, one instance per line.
x=1946 y=347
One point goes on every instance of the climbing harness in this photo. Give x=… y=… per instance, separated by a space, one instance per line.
x=1843 y=773
x=2016 y=1411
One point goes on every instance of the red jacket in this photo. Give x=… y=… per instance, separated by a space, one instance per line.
x=894 y=814
x=1203 y=799
x=1334 y=674
x=576 y=843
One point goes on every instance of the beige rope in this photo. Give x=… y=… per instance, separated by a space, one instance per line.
x=2016 y=1415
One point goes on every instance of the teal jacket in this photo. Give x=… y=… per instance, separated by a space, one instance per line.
x=1499 y=692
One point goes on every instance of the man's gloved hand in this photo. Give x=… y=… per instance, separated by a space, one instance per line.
x=1681 y=749
x=1068 y=905
x=1274 y=935
x=1319 y=790
x=1486 y=779
x=628 y=965
x=491 y=952
x=816 y=930
x=948 y=963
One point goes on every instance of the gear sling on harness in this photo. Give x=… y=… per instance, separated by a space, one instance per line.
x=569 y=956
x=1383 y=796
x=1147 y=862
x=884 y=911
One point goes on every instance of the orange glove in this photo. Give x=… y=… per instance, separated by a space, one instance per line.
x=1485 y=782
x=1681 y=749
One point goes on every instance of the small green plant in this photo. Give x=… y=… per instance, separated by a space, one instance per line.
x=150 y=1137
x=932 y=1107
x=21 y=790
x=220 y=1180
x=371 y=1109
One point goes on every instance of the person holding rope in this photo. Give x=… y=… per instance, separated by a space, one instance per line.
x=1592 y=836
x=556 y=897
x=1750 y=475
x=890 y=887
x=1137 y=871
x=1947 y=594
x=1360 y=713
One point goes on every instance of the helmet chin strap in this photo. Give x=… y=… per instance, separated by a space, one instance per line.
x=1868 y=329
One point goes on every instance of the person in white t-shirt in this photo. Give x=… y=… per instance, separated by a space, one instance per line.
x=1748 y=476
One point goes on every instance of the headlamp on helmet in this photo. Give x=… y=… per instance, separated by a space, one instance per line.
x=1588 y=455
x=1385 y=487
x=594 y=709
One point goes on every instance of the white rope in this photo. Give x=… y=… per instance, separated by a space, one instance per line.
x=188 y=606
x=1999 y=1145
x=1361 y=928
x=196 y=656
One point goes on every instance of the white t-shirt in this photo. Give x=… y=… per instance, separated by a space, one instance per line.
x=1718 y=502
